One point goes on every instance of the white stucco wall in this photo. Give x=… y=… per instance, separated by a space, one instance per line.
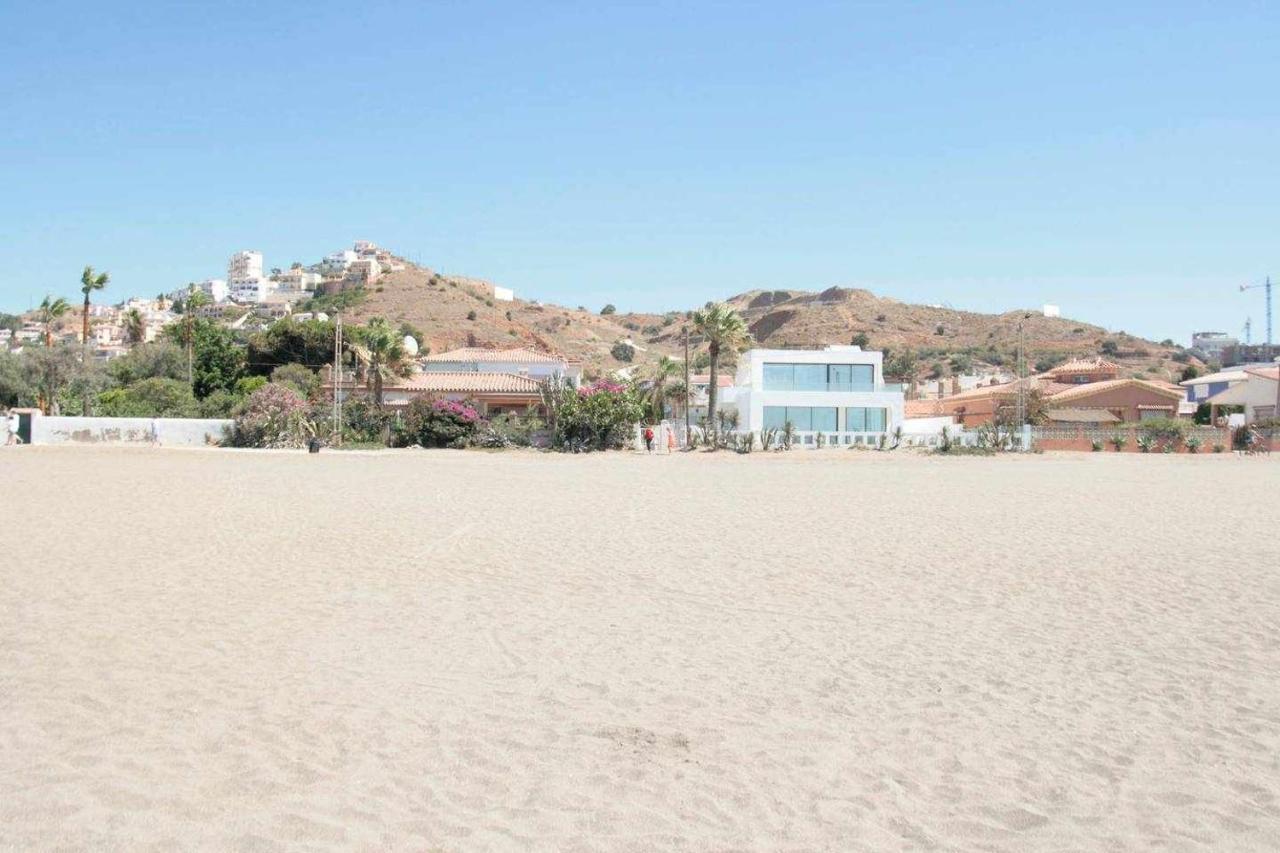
x=170 y=432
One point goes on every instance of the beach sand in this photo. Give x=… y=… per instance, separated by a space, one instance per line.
x=475 y=651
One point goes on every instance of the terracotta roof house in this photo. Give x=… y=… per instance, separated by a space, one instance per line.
x=495 y=381
x=1110 y=400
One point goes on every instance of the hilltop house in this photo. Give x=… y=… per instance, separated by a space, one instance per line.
x=838 y=391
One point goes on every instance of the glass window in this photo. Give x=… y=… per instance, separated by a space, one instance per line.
x=779 y=377
x=801 y=417
x=877 y=420
x=840 y=377
x=824 y=418
x=775 y=417
x=864 y=376
x=810 y=377
x=855 y=419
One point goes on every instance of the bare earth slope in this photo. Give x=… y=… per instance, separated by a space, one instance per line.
x=449 y=650
x=441 y=307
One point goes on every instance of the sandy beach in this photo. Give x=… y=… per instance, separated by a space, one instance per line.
x=474 y=651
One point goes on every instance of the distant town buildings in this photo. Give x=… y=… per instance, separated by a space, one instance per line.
x=1212 y=344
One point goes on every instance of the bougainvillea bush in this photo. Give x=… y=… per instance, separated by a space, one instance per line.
x=597 y=416
x=438 y=423
x=273 y=416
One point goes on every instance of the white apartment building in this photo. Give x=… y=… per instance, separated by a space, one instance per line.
x=247 y=264
x=251 y=290
x=838 y=391
x=298 y=280
x=337 y=263
x=216 y=289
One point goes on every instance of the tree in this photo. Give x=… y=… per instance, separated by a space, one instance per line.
x=1110 y=348
x=161 y=359
x=15 y=386
x=661 y=386
x=623 y=351
x=50 y=311
x=149 y=398
x=49 y=370
x=299 y=377
x=381 y=351
x=1190 y=372
x=135 y=326
x=217 y=362
x=290 y=341
x=861 y=340
x=195 y=298
x=725 y=332
x=608 y=309
x=89 y=282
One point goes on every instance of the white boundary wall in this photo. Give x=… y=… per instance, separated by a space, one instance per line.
x=167 y=432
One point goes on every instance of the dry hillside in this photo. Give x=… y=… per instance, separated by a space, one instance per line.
x=454 y=311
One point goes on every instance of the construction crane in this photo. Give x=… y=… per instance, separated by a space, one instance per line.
x=1267 y=287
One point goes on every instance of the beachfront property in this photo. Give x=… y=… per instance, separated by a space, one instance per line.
x=838 y=391
x=1256 y=395
x=1080 y=391
x=495 y=381
x=1201 y=388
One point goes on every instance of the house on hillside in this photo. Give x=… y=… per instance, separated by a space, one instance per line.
x=520 y=361
x=838 y=391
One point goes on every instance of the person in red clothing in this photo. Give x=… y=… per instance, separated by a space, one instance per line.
x=648 y=439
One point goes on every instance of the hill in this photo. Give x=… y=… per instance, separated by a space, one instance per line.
x=451 y=311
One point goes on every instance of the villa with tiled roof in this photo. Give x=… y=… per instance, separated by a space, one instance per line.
x=494 y=380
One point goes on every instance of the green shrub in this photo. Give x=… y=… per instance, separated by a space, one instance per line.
x=1118 y=441
x=299 y=377
x=1219 y=447
x=1096 y=445
x=1194 y=443
x=437 y=423
x=272 y=416
x=623 y=351
x=1145 y=443
x=157 y=397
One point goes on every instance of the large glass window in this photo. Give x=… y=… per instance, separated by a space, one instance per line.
x=779 y=377
x=819 y=377
x=802 y=418
x=860 y=419
x=840 y=377
x=810 y=377
x=824 y=419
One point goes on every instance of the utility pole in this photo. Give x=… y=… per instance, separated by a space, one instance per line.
x=688 y=392
x=337 y=380
x=1267 y=289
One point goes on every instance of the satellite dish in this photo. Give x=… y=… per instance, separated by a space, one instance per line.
x=410 y=345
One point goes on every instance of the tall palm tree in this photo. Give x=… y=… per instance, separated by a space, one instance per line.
x=660 y=386
x=89 y=282
x=380 y=349
x=195 y=298
x=49 y=312
x=725 y=332
x=135 y=326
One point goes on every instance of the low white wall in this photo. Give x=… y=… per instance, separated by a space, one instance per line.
x=169 y=432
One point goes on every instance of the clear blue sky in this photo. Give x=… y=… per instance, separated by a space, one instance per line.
x=1122 y=160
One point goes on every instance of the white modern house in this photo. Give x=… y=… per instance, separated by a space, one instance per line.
x=1257 y=394
x=838 y=391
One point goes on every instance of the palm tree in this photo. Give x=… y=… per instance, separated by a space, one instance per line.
x=381 y=349
x=660 y=387
x=49 y=312
x=195 y=298
x=135 y=326
x=725 y=332
x=89 y=282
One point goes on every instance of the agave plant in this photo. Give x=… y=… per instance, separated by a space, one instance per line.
x=1194 y=443
x=1145 y=443
x=1118 y=441
x=767 y=437
x=788 y=435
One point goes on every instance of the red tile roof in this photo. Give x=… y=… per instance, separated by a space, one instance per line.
x=1091 y=388
x=518 y=355
x=1086 y=365
x=467 y=383
x=722 y=381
